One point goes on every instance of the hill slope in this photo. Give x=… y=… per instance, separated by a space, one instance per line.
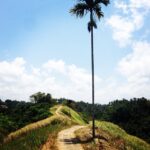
x=110 y=137
x=35 y=135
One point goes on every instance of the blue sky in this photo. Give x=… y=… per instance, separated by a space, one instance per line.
x=38 y=32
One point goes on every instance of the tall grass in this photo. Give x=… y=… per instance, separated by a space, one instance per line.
x=34 y=139
x=38 y=124
x=31 y=127
x=73 y=115
x=132 y=142
x=33 y=136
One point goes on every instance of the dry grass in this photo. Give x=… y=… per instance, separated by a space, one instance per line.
x=110 y=137
x=72 y=115
x=40 y=135
x=31 y=127
x=51 y=143
x=38 y=124
x=103 y=140
x=131 y=142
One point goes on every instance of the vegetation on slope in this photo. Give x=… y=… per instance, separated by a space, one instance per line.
x=110 y=137
x=133 y=116
x=35 y=139
x=73 y=115
x=15 y=115
x=34 y=135
x=131 y=142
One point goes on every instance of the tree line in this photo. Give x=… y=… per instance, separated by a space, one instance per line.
x=132 y=115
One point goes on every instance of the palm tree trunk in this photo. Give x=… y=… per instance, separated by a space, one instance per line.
x=93 y=86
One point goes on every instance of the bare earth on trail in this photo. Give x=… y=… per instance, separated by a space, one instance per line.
x=66 y=139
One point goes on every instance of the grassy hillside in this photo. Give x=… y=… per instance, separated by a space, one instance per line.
x=131 y=142
x=34 y=139
x=110 y=137
x=132 y=115
x=34 y=135
x=73 y=115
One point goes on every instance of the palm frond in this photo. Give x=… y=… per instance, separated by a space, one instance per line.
x=90 y=3
x=98 y=12
x=80 y=9
x=93 y=7
x=105 y=2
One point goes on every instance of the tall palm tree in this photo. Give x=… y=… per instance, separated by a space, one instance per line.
x=93 y=7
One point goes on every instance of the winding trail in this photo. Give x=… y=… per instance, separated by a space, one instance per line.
x=66 y=139
x=58 y=111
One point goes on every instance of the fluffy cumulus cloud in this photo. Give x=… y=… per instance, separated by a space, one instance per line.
x=122 y=29
x=135 y=68
x=134 y=71
x=128 y=18
x=136 y=65
x=17 y=81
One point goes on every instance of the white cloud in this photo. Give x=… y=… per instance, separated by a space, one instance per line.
x=133 y=78
x=53 y=65
x=19 y=81
x=15 y=68
x=128 y=18
x=122 y=29
x=135 y=68
x=136 y=64
x=55 y=77
x=140 y=4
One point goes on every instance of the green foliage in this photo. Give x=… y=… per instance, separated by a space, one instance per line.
x=93 y=7
x=6 y=126
x=40 y=97
x=6 y=123
x=18 y=114
x=133 y=115
x=74 y=116
x=33 y=140
x=131 y=142
x=34 y=135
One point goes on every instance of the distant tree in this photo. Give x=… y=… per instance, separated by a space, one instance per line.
x=1 y=102
x=41 y=98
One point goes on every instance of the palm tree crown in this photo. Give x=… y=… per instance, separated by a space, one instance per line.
x=89 y=6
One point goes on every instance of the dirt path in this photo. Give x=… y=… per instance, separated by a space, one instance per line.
x=58 y=111
x=66 y=139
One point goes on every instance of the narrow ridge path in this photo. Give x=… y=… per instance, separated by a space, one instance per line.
x=66 y=139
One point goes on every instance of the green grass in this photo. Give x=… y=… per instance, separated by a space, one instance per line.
x=34 y=139
x=53 y=109
x=73 y=115
x=132 y=142
x=33 y=136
